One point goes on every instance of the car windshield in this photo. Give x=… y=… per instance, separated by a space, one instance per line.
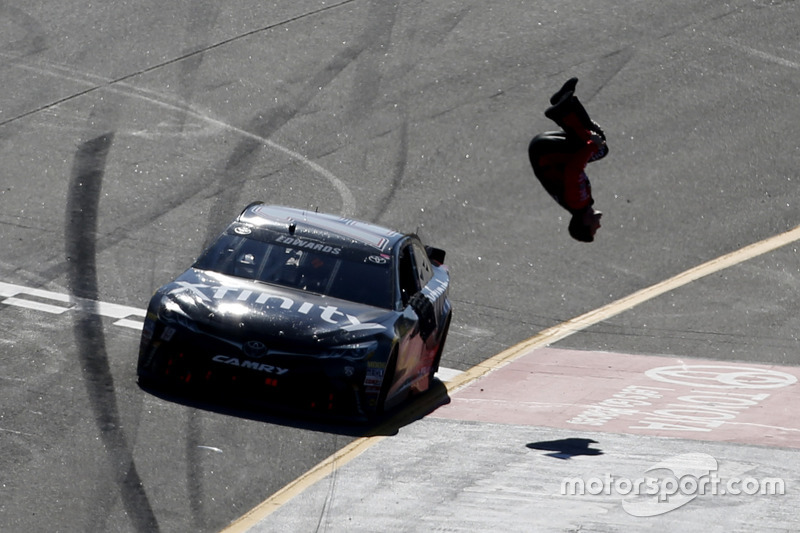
x=348 y=275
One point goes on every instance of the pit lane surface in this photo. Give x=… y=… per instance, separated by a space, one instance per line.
x=129 y=135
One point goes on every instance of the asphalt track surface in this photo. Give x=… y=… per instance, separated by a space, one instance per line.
x=130 y=134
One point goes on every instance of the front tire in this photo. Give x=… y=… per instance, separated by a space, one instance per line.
x=388 y=379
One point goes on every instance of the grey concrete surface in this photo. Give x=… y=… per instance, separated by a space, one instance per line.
x=454 y=476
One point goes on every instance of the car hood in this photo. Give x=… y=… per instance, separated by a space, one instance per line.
x=238 y=308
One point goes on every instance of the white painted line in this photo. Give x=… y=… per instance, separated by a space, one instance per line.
x=447 y=374
x=124 y=315
x=9 y=289
x=126 y=323
x=36 y=306
x=114 y=310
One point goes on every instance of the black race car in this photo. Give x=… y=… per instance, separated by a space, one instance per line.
x=302 y=309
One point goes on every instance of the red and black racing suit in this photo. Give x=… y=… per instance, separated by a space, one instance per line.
x=559 y=162
x=559 y=158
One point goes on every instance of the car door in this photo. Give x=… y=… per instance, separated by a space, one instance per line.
x=411 y=343
x=425 y=301
x=420 y=301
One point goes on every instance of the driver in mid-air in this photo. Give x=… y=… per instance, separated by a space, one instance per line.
x=559 y=158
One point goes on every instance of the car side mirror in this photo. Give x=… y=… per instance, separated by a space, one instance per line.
x=436 y=255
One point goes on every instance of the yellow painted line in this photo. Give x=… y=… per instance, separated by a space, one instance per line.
x=328 y=466
x=574 y=325
x=415 y=411
x=544 y=338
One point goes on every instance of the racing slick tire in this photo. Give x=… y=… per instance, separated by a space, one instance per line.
x=388 y=378
x=439 y=350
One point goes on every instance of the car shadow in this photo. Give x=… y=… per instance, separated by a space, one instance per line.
x=566 y=448
x=387 y=424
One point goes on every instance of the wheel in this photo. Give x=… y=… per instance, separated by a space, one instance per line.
x=388 y=378
x=439 y=350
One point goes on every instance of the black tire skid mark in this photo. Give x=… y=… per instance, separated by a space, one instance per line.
x=237 y=169
x=223 y=182
x=377 y=35
x=82 y=246
x=80 y=243
x=202 y=18
x=382 y=20
x=397 y=175
x=375 y=38
x=203 y=15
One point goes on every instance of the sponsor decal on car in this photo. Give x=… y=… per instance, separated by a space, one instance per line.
x=374 y=377
x=167 y=334
x=433 y=293
x=252 y=365
x=310 y=245
x=328 y=313
x=379 y=259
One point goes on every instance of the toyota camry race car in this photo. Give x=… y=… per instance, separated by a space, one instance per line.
x=302 y=309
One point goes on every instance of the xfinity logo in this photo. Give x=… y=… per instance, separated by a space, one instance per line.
x=328 y=313
x=252 y=365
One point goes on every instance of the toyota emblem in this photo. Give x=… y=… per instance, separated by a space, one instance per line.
x=254 y=348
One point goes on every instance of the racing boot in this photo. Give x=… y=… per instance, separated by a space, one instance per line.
x=570 y=115
x=568 y=87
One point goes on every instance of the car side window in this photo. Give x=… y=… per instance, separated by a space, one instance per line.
x=423 y=265
x=409 y=282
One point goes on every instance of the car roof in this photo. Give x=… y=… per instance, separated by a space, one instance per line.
x=334 y=229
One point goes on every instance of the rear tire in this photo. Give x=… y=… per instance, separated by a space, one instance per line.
x=439 y=350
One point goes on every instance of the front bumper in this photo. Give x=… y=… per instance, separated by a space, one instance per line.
x=173 y=357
